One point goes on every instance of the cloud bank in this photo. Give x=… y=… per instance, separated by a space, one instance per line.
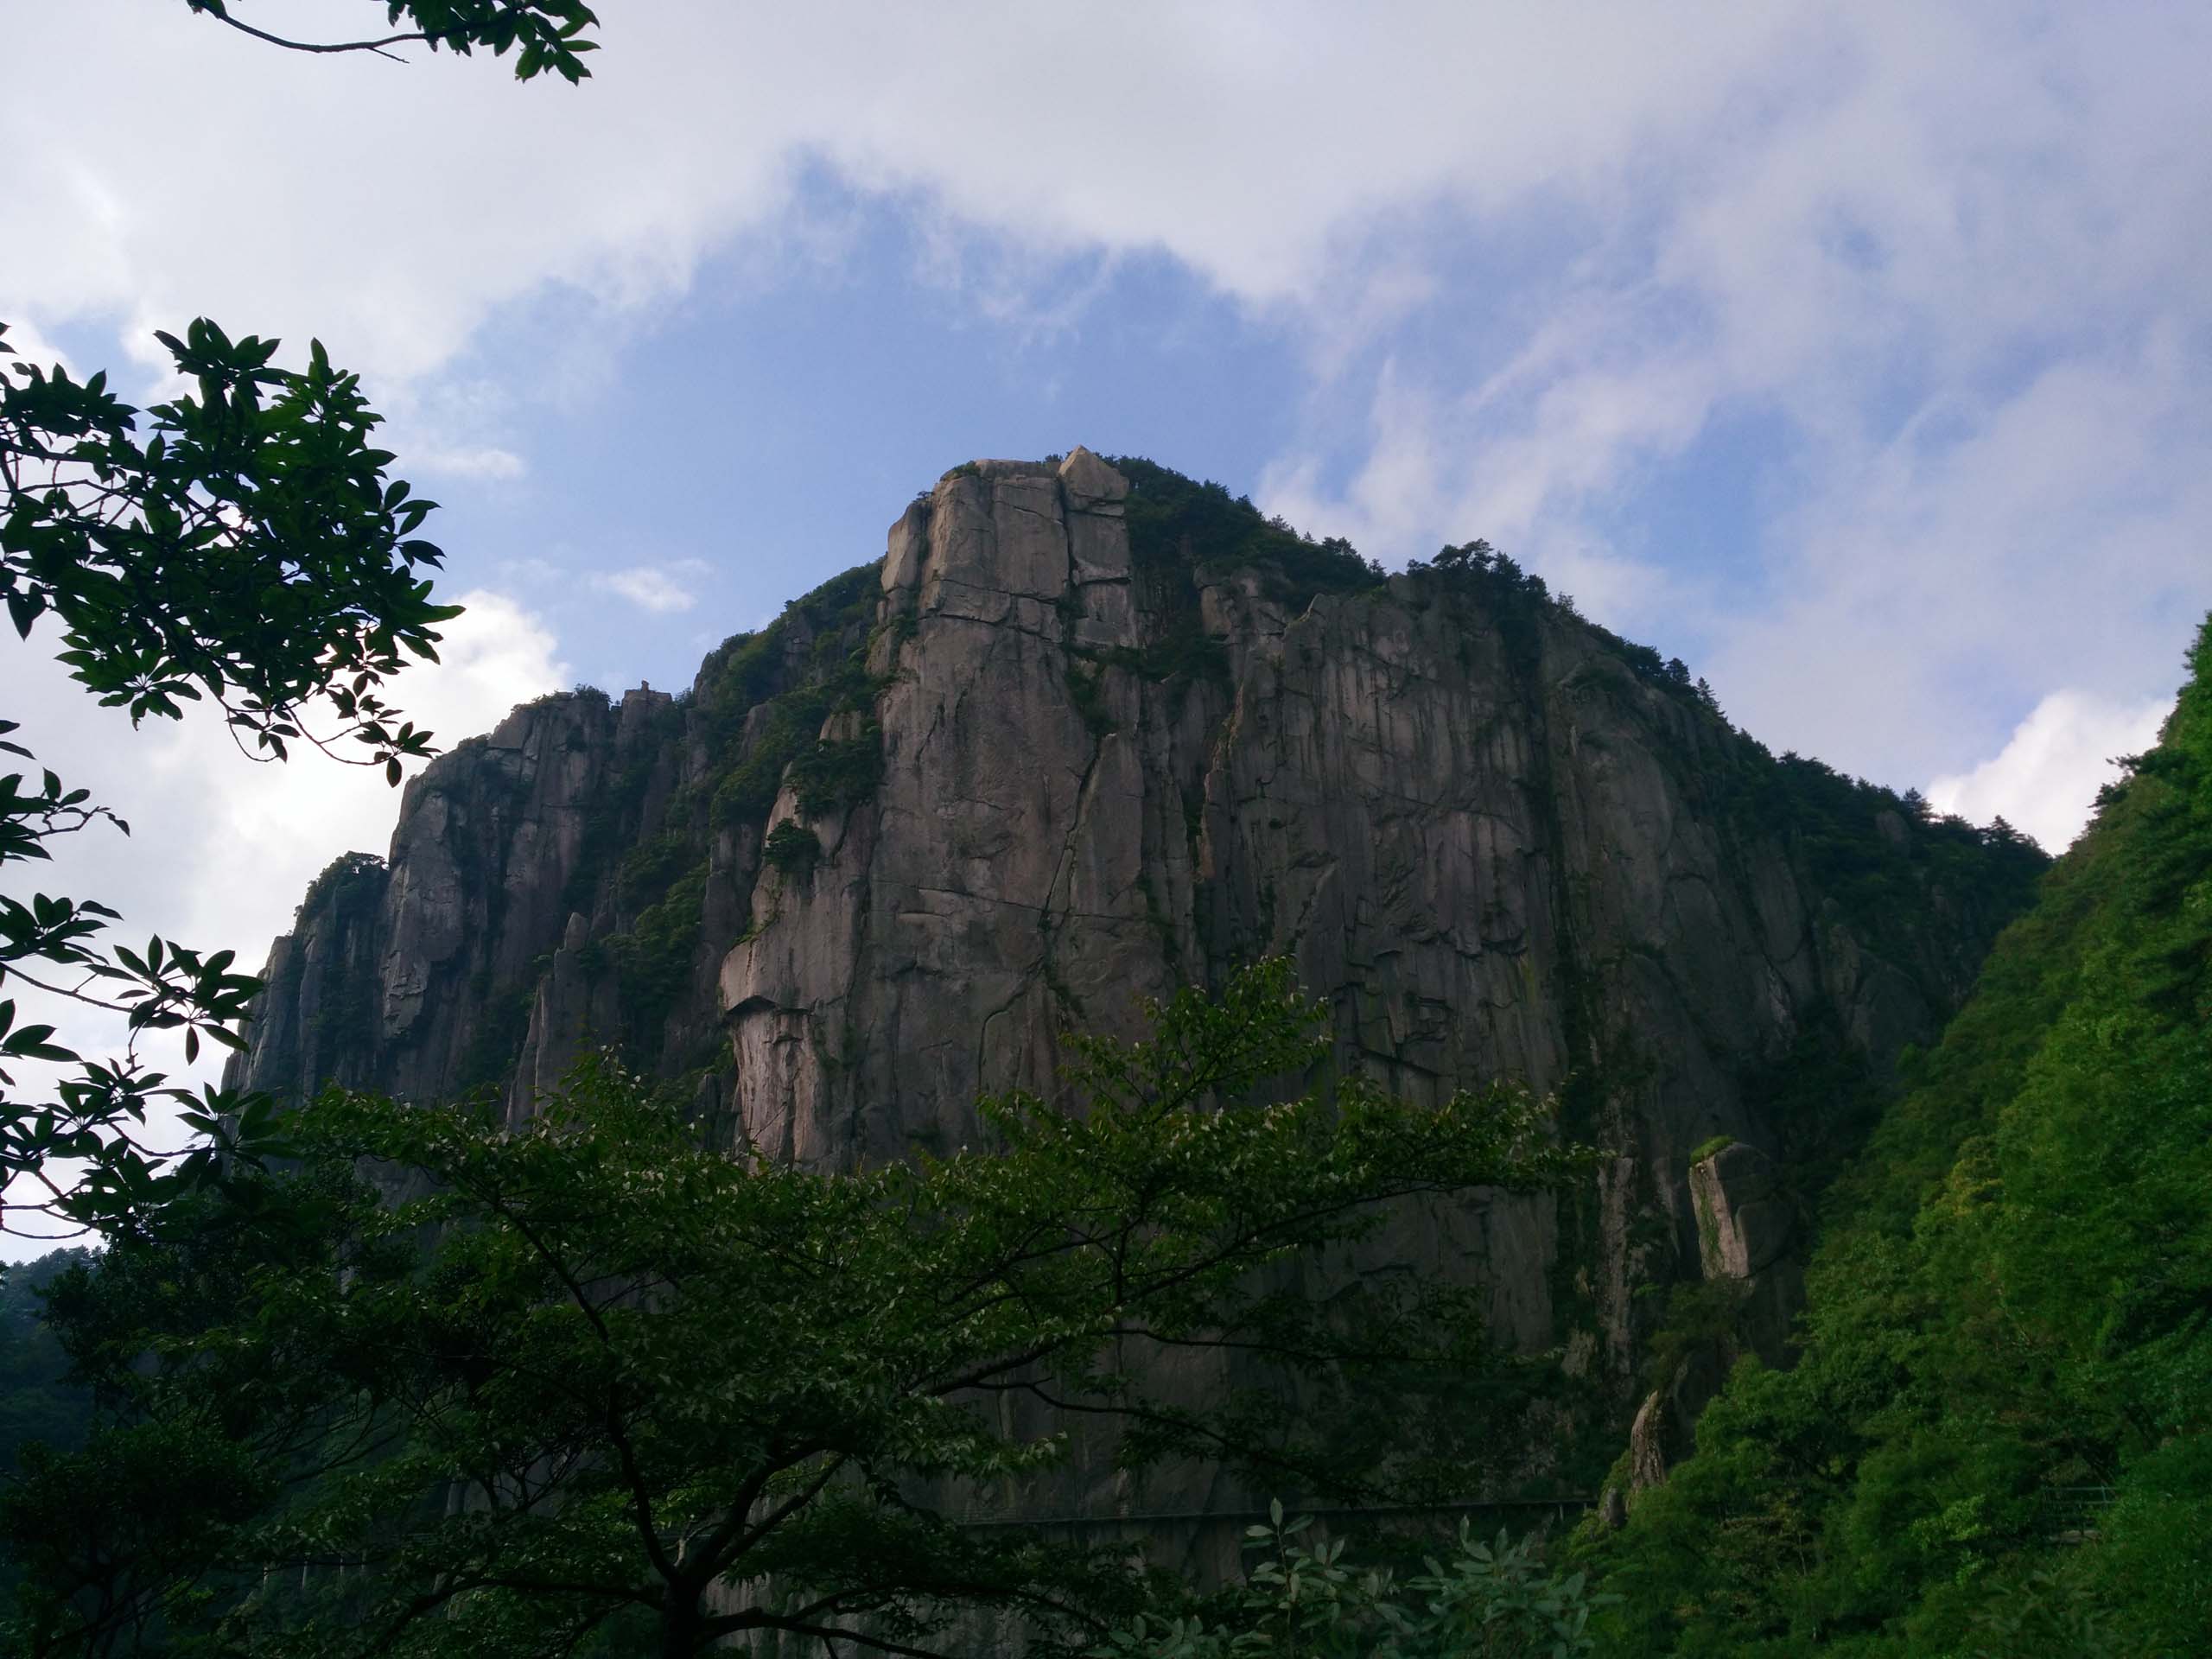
x=662 y=590
x=1945 y=259
x=222 y=847
x=2046 y=778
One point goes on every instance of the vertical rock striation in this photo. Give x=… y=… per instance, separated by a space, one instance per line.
x=1086 y=732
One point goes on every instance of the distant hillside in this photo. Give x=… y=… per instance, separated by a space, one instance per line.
x=1999 y=1440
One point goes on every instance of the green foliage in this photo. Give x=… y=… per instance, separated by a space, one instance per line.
x=837 y=774
x=1498 y=579
x=745 y=794
x=1700 y=1314
x=647 y=869
x=495 y=1044
x=41 y=1404
x=1177 y=524
x=1883 y=881
x=1184 y=652
x=748 y=669
x=753 y=671
x=240 y=545
x=547 y=32
x=723 y=1397
x=1997 y=1439
x=1819 y=1092
x=350 y=885
x=37 y=1402
x=1705 y=1149
x=793 y=848
x=1086 y=692
x=654 y=956
x=1494 y=1599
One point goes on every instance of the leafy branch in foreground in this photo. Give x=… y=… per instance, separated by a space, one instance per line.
x=548 y=31
x=240 y=544
x=630 y=1384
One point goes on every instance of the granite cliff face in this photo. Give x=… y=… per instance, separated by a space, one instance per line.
x=1084 y=734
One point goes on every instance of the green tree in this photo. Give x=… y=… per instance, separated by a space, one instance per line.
x=599 y=1377
x=241 y=544
x=1998 y=1439
x=1482 y=1601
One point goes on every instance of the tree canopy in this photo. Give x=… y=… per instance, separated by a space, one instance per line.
x=1998 y=1438
x=594 y=1377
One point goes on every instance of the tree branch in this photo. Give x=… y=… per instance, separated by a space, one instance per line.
x=730 y=1623
x=648 y=1528
x=375 y=48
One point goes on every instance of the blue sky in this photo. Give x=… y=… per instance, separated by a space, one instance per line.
x=1858 y=355
x=759 y=435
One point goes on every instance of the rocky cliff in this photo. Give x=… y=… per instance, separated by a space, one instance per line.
x=1087 y=731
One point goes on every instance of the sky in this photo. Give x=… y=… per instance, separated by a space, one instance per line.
x=1857 y=355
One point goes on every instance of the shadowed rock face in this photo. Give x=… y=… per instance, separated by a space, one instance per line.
x=1750 y=1228
x=414 y=974
x=1095 y=761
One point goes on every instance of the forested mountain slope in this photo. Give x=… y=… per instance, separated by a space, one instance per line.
x=1999 y=1438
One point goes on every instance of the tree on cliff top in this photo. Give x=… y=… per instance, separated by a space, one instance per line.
x=241 y=544
x=638 y=1387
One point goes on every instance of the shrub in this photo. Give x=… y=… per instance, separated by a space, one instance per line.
x=838 y=772
x=793 y=849
x=1492 y=1598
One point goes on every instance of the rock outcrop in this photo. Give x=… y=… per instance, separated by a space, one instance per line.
x=1751 y=1232
x=1085 y=733
x=1751 y=1239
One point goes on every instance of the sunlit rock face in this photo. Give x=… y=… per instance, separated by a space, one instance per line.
x=1056 y=756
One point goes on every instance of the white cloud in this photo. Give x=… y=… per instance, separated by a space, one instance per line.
x=30 y=346
x=452 y=425
x=480 y=461
x=2045 y=779
x=662 y=590
x=1257 y=143
x=222 y=848
x=1953 y=252
x=532 y=570
x=1948 y=256
x=1937 y=586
